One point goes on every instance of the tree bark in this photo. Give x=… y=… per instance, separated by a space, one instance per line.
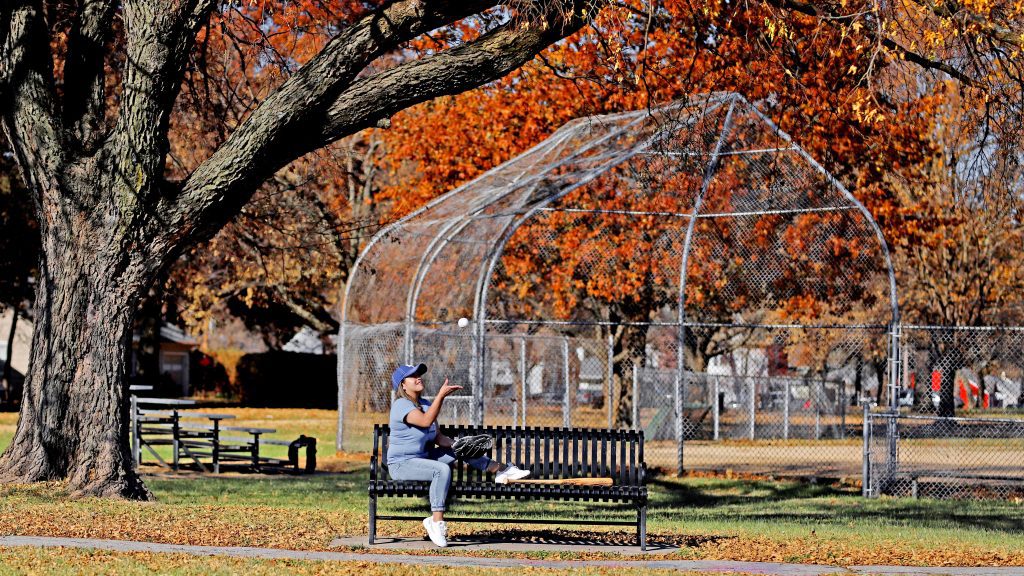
x=73 y=421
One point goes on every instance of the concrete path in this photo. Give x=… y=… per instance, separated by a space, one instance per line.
x=466 y=561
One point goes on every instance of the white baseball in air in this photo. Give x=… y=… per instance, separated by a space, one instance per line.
x=463 y=322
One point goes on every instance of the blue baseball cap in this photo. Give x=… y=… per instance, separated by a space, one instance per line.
x=404 y=371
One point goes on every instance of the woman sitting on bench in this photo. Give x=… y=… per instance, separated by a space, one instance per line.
x=418 y=451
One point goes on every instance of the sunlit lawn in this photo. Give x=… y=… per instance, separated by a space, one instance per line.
x=8 y=420
x=707 y=518
x=289 y=423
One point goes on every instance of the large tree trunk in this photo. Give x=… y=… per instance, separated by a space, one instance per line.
x=74 y=423
x=110 y=222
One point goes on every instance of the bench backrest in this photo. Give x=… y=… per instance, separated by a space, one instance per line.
x=549 y=453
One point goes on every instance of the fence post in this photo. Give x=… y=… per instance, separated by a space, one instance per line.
x=892 y=433
x=866 y=454
x=477 y=374
x=817 y=410
x=522 y=379
x=566 y=400
x=716 y=406
x=636 y=398
x=677 y=405
x=135 y=429
x=753 y=397
x=785 y=410
x=611 y=377
x=842 y=409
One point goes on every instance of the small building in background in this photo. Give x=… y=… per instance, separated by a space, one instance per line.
x=21 y=348
x=173 y=361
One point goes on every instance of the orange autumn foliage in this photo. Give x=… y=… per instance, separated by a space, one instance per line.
x=635 y=62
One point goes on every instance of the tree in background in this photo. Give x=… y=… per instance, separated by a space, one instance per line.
x=807 y=71
x=959 y=260
x=91 y=92
x=835 y=74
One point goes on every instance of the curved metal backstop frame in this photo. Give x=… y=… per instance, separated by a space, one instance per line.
x=418 y=275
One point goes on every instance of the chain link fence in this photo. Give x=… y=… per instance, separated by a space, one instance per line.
x=945 y=457
x=688 y=271
x=956 y=429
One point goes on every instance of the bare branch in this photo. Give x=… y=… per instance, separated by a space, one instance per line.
x=831 y=16
x=953 y=10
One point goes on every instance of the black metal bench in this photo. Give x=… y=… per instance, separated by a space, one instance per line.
x=549 y=453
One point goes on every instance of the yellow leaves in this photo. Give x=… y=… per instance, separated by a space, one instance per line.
x=777 y=29
x=865 y=111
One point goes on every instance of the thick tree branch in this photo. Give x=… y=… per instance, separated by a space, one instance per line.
x=284 y=115
x=450 y=72
x=159 y=38
x=27 y=94
x=84 y=98
x=318 y=320
x=267 y=139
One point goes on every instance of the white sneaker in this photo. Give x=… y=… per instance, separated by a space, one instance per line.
x=437 y=531
x=510 y=473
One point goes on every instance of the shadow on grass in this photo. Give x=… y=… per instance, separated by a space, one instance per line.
x=335 y=489
x=593 y=538
x=674 y=503
x=794 y=502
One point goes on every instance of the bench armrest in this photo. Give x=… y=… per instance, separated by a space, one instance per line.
x=373 y=468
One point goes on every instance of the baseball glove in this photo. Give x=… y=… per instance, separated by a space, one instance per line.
x=470 y=447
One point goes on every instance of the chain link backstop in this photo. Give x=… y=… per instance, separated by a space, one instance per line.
x=687 y=270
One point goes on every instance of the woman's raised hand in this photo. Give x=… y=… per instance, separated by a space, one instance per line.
x=447 y=389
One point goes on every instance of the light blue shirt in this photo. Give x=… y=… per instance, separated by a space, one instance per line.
x=408 y=441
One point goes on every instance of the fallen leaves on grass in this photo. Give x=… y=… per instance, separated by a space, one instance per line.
x=45 y=510
x=30 y=560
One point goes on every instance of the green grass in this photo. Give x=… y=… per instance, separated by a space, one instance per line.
x=786 y=509
x=710 y=518
x=8 y=421
x=707 y=518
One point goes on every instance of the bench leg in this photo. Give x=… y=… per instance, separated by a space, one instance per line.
x=641 y=527
x=373 y=518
